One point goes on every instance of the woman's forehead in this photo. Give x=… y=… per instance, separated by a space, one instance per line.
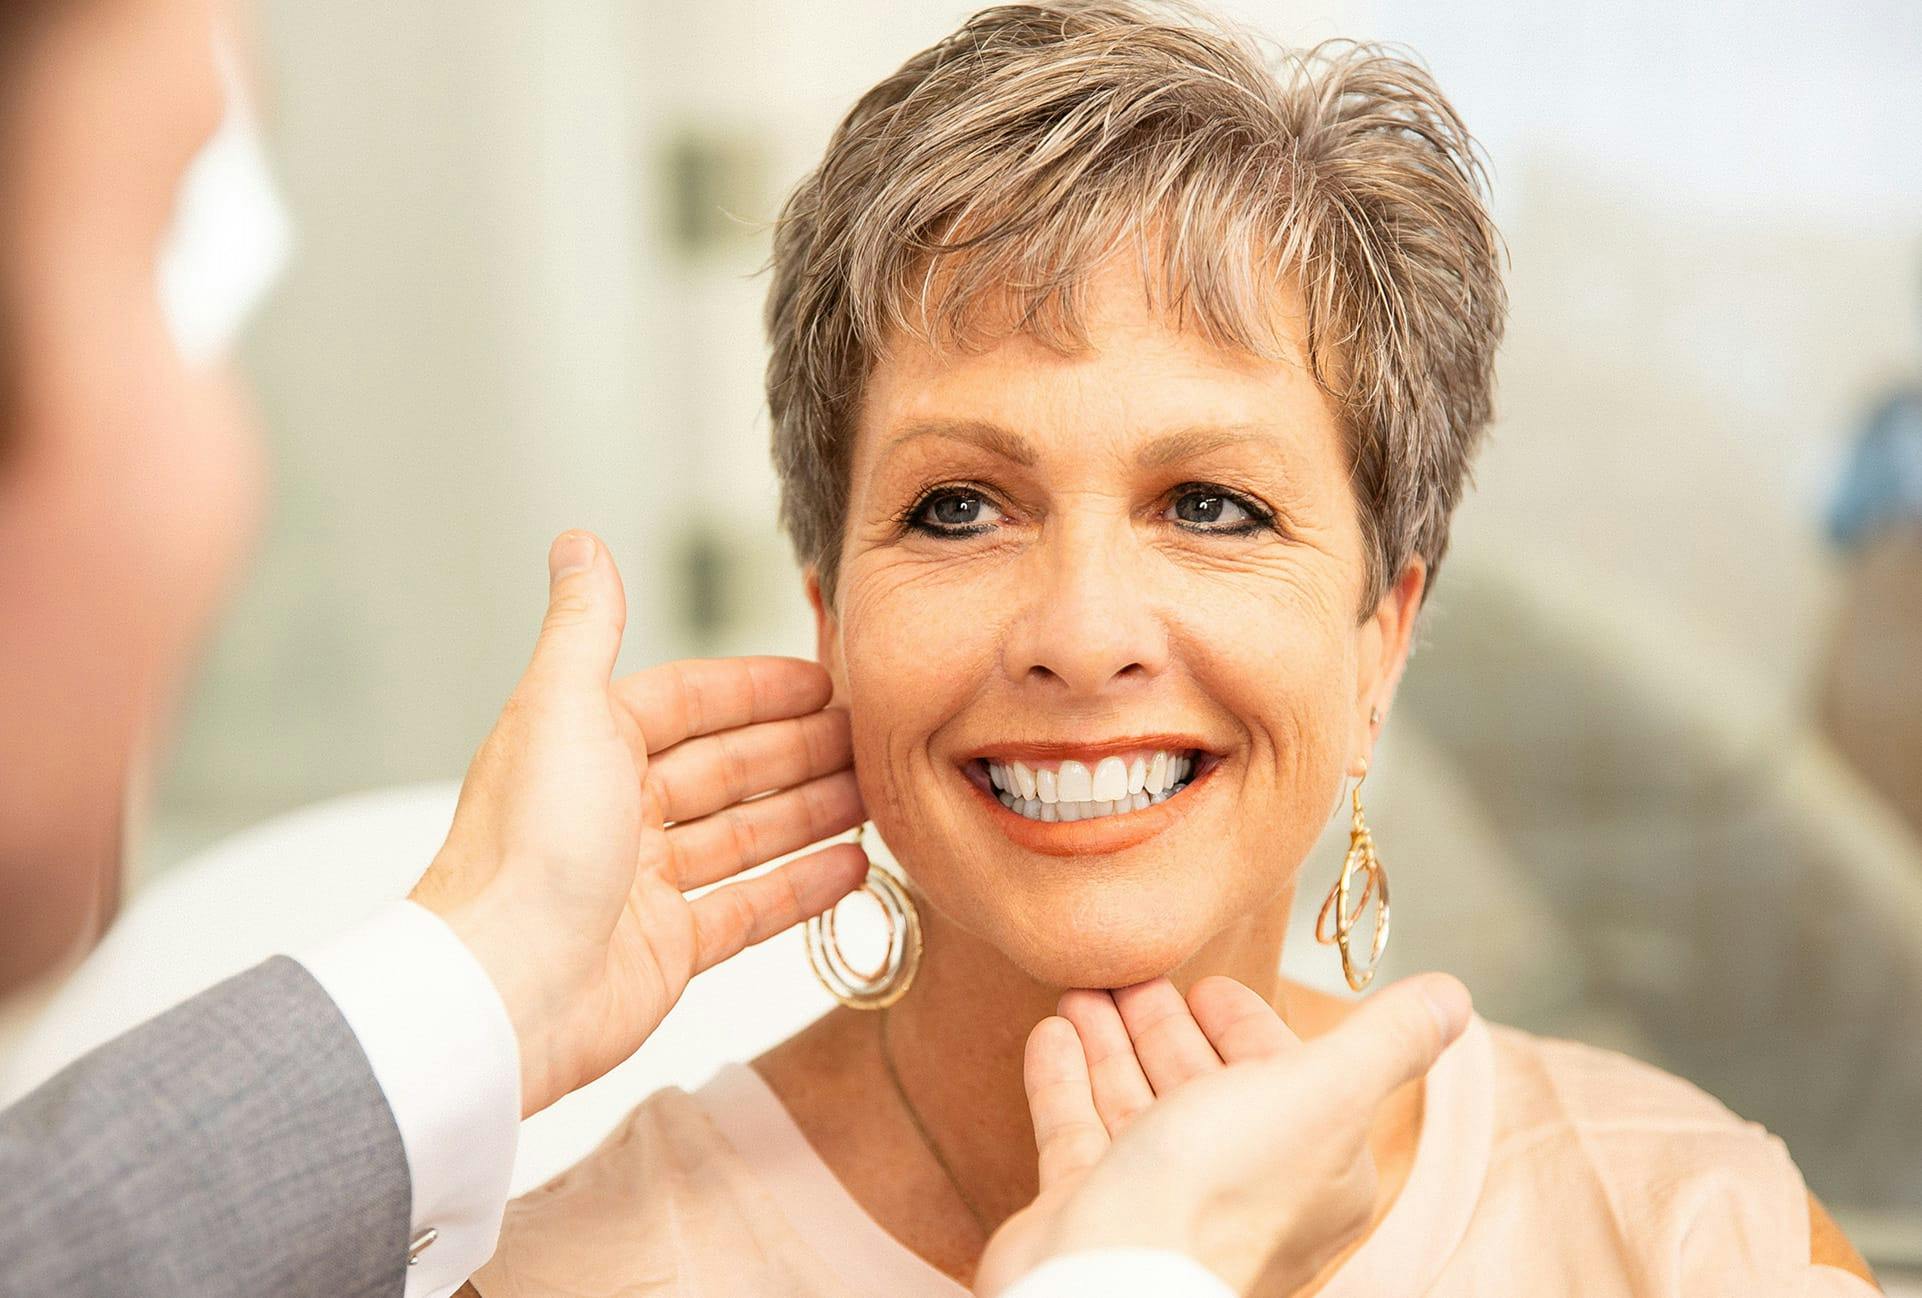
x=1144 y=391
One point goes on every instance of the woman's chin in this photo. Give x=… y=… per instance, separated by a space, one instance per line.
x=1105 y=941
x=1116 y=969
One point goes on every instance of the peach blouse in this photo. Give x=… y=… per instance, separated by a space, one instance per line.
x=1543 y=1166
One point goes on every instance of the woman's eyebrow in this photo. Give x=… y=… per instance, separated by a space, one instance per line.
x=1168 y=448
x=1187 y=443
x=984 y=433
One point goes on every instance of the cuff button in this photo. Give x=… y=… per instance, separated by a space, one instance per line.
x=420 y=1244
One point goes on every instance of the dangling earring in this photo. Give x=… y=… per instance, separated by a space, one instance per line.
x=886 y=985
x=1361 y=858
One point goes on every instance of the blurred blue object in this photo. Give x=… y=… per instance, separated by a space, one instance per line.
x=1882 y=484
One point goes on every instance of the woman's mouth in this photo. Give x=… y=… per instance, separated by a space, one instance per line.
x=1071 y=790
x=1142 y=793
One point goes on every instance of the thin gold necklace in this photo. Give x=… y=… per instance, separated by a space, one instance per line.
x=914 y=1116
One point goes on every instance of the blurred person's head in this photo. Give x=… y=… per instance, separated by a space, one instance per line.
x=1123 y=388
x=128 y=481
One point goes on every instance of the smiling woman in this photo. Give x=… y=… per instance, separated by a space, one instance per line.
x=1125 y=375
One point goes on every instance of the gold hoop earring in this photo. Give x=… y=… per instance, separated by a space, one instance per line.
x=887 y=984
x=1361 y=859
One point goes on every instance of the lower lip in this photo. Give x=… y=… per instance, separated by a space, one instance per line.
x=1113 y=833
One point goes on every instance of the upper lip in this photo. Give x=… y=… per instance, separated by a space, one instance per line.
x=1048 y=750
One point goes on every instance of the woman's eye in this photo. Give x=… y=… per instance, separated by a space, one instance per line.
x=1214 y=510
x=951 y=513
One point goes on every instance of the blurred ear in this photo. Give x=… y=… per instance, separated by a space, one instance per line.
x=827 y=634
x=1385 y=639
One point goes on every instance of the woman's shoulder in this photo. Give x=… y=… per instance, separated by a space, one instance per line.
x=638 y=1169
x=1624 y=1119
x=664 y=1203
x=1668 y=1179
x=1543 y=1081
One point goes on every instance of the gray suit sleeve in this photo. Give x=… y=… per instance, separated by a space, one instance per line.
x=236 y=1145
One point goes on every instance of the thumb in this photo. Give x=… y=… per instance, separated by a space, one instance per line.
x=1069 y=1136
x=586 y=613
x=1397 y=1034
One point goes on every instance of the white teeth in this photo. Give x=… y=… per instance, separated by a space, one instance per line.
x=1024 y=780
x=1073 y=792
x=1110 y=780
x=1036 y=809
x=1073 y=783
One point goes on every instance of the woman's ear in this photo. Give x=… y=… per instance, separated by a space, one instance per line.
x=1386 y=638
x=827 y=633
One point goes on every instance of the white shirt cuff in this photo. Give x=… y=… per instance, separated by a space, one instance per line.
x=1120 y=1273
x=444 y=1052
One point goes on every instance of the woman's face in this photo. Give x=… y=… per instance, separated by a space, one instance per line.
x=1152 y=547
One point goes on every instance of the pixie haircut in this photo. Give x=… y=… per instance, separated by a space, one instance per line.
x=988 y=176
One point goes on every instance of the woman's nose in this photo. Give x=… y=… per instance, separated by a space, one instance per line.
x=1087 y=620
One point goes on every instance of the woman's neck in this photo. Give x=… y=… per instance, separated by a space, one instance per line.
x=958 y=1036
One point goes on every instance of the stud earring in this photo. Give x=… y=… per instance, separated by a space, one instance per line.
x=1374 y=717
x=888 y=983
x=1361 y=859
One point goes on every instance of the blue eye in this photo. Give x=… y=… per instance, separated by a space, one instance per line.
x=1217 y=505
x=949 y=511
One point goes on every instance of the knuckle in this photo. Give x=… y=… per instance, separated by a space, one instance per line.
x=734 y=767
x=741 y=836
x=790 y=885
x=738 y=918
x=568 y=608
x=687 y=694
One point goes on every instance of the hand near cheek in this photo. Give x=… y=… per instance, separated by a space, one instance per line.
x=596 y=804
x=1206 y=1126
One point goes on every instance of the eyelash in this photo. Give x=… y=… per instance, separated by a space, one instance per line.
x=909 y=519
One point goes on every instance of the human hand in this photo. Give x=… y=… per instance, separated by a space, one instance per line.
x=593 y=805
x=1208 y=1127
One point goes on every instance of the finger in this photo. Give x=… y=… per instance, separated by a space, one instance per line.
x=740 y=837
x=1166 y=1037
x=1121 y=1089
x=1069 y=1137
x=699 y=696
x=586 y=613
x=1237 y=1021
x=1394 y=1036
x=707 y=773
x=734 y=917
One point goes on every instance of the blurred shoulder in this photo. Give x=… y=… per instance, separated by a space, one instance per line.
x=1619 y=1118
x=1545 y=1081
x=1650 y=1159
x=626 y=1209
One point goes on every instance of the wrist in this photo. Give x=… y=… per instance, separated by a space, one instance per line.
x=501 y=949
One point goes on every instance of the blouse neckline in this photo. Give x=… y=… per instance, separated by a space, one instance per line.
x=1404 y=1253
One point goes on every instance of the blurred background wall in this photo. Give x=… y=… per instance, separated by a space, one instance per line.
x=524 y=297
x=519 y=302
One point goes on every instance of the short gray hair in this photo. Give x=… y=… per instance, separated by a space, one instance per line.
x=1002 y=163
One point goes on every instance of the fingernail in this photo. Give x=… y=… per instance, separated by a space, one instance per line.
x=572 y=552
x=1449 y=1002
